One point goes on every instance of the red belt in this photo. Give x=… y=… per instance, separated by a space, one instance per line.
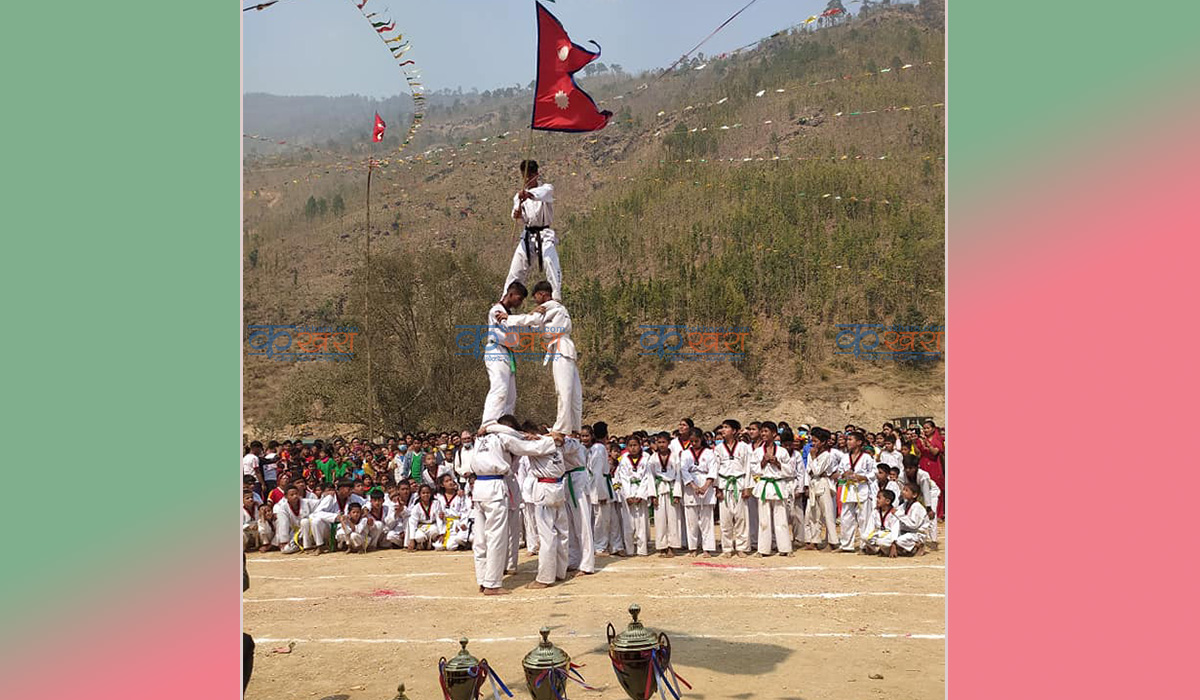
x=550 y=481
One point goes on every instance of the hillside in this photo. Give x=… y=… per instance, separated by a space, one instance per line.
x=788 y=188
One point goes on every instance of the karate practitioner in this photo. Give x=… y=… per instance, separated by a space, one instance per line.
x=698 y=476
x=526 y=480
x=914 y=521
x=927 y=488
x=291 y=521
x=549 y=498
x=325 y=514
x=858 y=473
x=353 y=529
x=822 y=466
x=668 y=495
x=426 y=522
x=883 y=527
x=637 y=486
x=533 y=206
x=498 y=445
x=376 y=517
x=795 y=486
x=456 y=510
x=396 y=513
x=551 y=319
x=581 y=554
x=498 y=358
x=257 y=530
x=770 y=466
x=606 y=526
x=733 y=479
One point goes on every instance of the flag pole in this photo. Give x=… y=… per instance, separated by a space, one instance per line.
x=367 y=320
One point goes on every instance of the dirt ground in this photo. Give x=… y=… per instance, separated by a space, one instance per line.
x=815 y=625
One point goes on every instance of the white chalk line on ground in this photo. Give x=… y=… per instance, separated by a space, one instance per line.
x=571 y=596
x=329 y=576
x=497 y=640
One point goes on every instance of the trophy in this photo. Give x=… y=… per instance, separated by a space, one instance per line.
x=462 y=677
x=641 y=659
x=546 y=670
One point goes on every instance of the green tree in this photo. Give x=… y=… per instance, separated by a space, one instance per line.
x=339 y=205
x=310 y=208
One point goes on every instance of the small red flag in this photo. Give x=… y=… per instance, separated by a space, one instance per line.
x=377 y=133
x=558 y=103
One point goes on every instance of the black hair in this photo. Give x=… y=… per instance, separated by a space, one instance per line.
x=519 y=289
x=291 y=487
x=509 y=420
x=663 y=435
x=345 y=482
x=858 y=434
x=821 y=434
x=769 y=426
x=600 y=430
x=543 y=286
x=529 y=167
x=786 y=435
x=257 y=444
x=893 y=469
x=355 y=504
x=733 y=423
x=911 y=460
x=889 y=495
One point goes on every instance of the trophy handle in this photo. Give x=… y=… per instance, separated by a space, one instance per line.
x=612 y=633
x=664 y=644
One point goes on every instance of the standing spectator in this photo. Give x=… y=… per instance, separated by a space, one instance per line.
x=929 y=449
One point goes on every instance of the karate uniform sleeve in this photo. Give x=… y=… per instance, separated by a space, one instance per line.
x=413 y=520
x=516 y=204
x=541 y=447
x=543 y=192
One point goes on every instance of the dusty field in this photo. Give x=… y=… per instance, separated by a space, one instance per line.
x=812 y=626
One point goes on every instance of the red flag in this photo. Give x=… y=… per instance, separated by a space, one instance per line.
x=558 y=103
x=377 y=132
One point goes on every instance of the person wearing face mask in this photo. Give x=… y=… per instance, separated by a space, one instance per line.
x=463 y=458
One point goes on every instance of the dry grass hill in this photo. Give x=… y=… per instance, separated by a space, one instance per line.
x=787 y=189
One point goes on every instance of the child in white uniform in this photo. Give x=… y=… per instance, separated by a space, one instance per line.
x=637 y=487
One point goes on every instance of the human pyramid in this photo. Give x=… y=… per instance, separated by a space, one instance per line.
x=570 y=493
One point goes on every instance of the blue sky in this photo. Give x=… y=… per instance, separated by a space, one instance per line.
x=324 y=47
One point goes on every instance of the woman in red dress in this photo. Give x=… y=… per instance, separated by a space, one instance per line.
x=930 y=446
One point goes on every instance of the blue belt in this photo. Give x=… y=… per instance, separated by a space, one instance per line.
x=489 y=477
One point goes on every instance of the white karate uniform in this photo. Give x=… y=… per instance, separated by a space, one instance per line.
x=550 y=501
x=354 y=537
x=606 y=526
x=821 y=492
x=667 y=514
x=494 y=455
x=325 y=513
x=289 y=523
x=733 y=477
x=561 y=355
x=892 y=458
x=696 y=471
x=797 y=487
x=636 y=482
x=499 y=362
x=426 y=525
x=462 y=468
x=769 y=484
x=882 y=531
x=914 y=526
x=930 y=493
x=856 y=499
x=581 y=543
x=376 y=528
x=538 y=210
x=255 y=530
x=677 y=448
x=456 y=533
x=526 y=481
x=395 y=523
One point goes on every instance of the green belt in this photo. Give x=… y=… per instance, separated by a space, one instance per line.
x=773 y=482
x=512 y=361
x=731 y=484
x=660 y=480
x=571 y=486
x=608 y=480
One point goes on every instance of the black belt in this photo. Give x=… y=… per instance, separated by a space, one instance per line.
x=534 y=233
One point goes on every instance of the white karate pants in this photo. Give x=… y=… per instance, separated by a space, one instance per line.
x=773 y=519
x=491 y=542
x=552 y=542
x=735 y=524
x=518 y=270
x=667 y=517
x=699 y=523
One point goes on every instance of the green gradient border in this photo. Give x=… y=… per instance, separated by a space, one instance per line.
x=122 y=270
